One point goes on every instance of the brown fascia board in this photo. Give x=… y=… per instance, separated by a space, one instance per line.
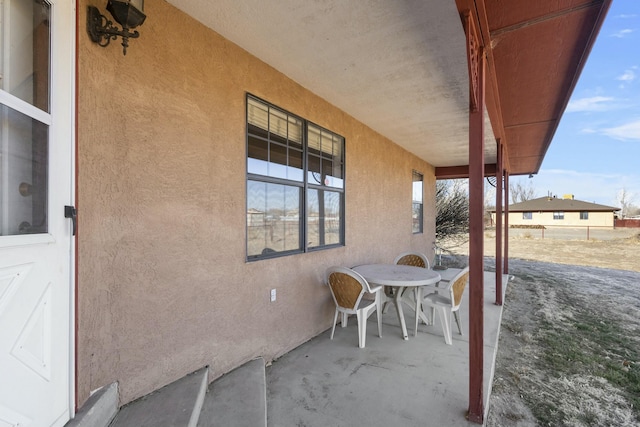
x=604 y=8
x=489 y=36
x=460 y=172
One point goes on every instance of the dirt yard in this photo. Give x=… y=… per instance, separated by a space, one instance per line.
x=618 y=249
x=569 y=350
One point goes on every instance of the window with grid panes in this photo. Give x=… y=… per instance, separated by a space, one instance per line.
x=417 y=205
x=295 y=183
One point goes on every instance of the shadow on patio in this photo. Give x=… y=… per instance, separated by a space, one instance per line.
x=390 y=382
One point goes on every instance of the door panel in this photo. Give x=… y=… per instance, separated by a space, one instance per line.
x=36 y=182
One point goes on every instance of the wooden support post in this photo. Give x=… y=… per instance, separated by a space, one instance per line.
x=505 y=267
x=499 y=189
x=476 y=61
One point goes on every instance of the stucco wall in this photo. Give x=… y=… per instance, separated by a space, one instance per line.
x=571 y=219
x=163 y=283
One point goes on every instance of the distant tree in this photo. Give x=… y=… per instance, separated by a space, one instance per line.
x=519 y=192
x=624 y=200
x=489 y=196
x=452 y=208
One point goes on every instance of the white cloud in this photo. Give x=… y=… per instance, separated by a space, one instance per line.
x=627 y=76
x=594 y=103
x=622 y=33
x=626 y=132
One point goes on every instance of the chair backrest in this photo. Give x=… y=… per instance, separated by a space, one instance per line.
x=415 y=259
x=347 y=286
x=457 y=286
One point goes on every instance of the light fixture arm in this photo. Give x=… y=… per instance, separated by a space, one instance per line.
x=102 y=31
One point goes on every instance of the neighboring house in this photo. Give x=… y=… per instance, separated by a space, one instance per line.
x=242 y=146
x=565 y=211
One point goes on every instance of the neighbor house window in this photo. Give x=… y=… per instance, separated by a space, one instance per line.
x=527 y=215
x=558 y=215
x=417 y=211
x=295 y=183
x=584 y=215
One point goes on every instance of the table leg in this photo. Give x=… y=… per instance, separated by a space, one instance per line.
x=419 y=313
x=418 y=291
x=397 y=300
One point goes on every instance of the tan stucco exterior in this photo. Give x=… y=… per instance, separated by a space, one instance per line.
x=571 y=219
x=163 y=285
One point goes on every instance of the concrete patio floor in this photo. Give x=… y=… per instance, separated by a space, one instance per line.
x=390 y=382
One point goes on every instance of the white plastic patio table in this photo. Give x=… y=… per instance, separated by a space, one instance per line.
x=400 y=277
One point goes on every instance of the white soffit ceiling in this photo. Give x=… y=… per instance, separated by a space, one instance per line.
x=398 y=66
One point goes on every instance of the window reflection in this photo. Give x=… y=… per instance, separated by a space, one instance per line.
x=273 y=218
x=417 y=210
x=23 y=174
x=324 y=213
x=24 y=51
x=292 y=164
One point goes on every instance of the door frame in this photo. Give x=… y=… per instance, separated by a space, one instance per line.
x=64 y=37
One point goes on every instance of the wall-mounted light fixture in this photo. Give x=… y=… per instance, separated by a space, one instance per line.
x=128 y=13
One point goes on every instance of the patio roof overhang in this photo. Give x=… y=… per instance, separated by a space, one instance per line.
x=400 y=67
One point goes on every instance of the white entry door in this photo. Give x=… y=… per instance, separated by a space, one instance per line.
x=37 y=45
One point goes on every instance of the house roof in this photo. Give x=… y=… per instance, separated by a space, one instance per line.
x=554 y=204
x=400 y=67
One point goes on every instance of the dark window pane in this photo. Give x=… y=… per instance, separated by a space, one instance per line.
x=278 y=161
x=258 y=148
x=258 y=131
x=294 y=171
x=327 y=169
x=274 y=137
x=314 y=176
x=332 y=169
x=258 y=153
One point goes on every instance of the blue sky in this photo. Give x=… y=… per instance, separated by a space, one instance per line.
x=595 y=152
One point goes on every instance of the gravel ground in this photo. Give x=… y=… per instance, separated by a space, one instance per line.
x=569 y=350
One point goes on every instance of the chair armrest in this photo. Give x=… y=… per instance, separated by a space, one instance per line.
x=375 y=289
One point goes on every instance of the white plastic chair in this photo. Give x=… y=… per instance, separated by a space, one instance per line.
x=414 y=259
x=348 y=289
x=446 y=305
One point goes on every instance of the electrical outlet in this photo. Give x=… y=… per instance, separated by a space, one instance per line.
x=273 y=295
